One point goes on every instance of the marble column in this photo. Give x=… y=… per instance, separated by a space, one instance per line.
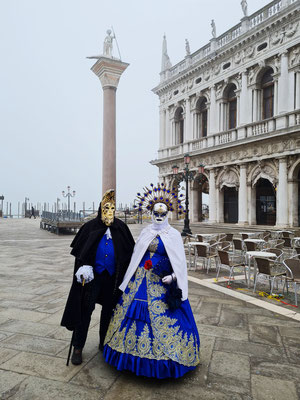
x=213 y=114
x=188 y=131
x=244 y=101
x=220 y=205
x=282 y=194
x=243 y=192
x=212 y=196
x=109 y=71
x=283 y=85
x=168 y=130
x=162 y=125
x=297 y=90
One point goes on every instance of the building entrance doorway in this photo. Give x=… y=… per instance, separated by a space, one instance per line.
x=265 y=203
x=230 y=205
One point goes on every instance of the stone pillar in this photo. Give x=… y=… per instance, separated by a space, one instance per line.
x=275 y=96
x=245 y=112
x=282 y=195
x=220 y=205
x=212 y=196
x=109 y=71
x=213 y=115
x=293 y=202
x=162 y=127
x=283 y=85
x=297 y=90
x=194 y=206
x=168 y=131
x=188 y=132
x=243 y=192
x=251 y=204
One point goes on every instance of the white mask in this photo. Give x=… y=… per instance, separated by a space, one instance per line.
x=159 y=213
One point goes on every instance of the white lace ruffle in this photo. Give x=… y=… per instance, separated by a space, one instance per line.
x=85 y=272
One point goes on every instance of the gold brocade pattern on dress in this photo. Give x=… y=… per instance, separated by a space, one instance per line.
x=168 y=341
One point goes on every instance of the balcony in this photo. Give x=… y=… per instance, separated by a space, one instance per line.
x=235 y=32
x=270 y=127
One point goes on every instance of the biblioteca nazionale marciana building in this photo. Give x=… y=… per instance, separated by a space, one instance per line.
x=234 y=107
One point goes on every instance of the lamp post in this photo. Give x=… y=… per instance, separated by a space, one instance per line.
x=25 y=206
x=68 y=195
x=187 y=176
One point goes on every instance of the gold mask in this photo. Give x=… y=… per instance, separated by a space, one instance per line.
x=108 y=207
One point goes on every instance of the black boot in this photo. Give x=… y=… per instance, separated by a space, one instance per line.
x=76 y=358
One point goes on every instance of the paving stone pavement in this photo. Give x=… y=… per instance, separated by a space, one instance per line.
x=246 y=352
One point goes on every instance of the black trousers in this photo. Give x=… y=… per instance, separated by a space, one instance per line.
x=101 y=289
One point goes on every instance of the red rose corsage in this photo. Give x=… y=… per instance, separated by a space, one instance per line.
x=148 y=265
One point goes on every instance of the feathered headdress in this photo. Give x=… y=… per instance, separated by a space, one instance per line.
x=159 y=194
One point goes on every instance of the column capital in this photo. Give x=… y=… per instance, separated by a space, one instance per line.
x=282 y=159
x=109 y=71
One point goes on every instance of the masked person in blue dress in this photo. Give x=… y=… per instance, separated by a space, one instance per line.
x=153 y=332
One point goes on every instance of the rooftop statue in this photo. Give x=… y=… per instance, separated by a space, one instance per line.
x=244 y=5
x=213 y=29
x=187 y=47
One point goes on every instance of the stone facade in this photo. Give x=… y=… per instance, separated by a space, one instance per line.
x=234 y=106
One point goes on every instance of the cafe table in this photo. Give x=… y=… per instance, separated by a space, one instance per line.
x=262 y=254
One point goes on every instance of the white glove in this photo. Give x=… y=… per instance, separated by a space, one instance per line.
x=86 y=271
x=167 y=279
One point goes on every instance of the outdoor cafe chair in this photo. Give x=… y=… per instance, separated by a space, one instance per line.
x=285 y=234
x=264 y=267
x=288 y=246
x=221 y=237
x=278 y=243
x=225 y=262
x=229 y=237
x=292 y=266
x=199 y=237
x=297 y=255
x=279 y=254
x=245 y=236
x=251 y=246
x=239 y=249
x=206 y=252
x=224 y=245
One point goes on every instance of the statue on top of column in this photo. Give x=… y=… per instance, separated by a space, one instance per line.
x=244 y=5
x=213 y=29
x=108 y=44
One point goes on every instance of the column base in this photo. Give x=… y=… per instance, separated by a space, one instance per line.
x=243 y=223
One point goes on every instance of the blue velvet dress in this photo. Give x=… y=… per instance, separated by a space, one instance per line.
x=144 y=335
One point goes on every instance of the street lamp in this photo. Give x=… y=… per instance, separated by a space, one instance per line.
x=187 y=176
x=25 y=206
x=68 y=195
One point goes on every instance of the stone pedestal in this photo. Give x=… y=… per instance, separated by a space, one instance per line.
x=109 y=71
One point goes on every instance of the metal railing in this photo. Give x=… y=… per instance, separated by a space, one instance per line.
x=64 y=215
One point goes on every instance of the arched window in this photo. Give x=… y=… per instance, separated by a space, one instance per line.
x=201 y=118
x=267 y=86
x=179 y=126
x=232 y=106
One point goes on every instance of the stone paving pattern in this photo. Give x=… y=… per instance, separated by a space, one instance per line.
x=246 y=352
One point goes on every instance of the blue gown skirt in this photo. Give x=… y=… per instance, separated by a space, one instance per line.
x=144 y=335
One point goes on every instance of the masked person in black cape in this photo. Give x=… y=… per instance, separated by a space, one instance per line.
x=103 y=248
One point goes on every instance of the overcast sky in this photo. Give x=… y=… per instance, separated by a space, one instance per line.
x=51 y=103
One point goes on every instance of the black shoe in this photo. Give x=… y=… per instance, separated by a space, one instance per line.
x=76 y=358
x=101 y=347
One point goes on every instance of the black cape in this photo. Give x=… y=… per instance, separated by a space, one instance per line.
x=84 y=248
